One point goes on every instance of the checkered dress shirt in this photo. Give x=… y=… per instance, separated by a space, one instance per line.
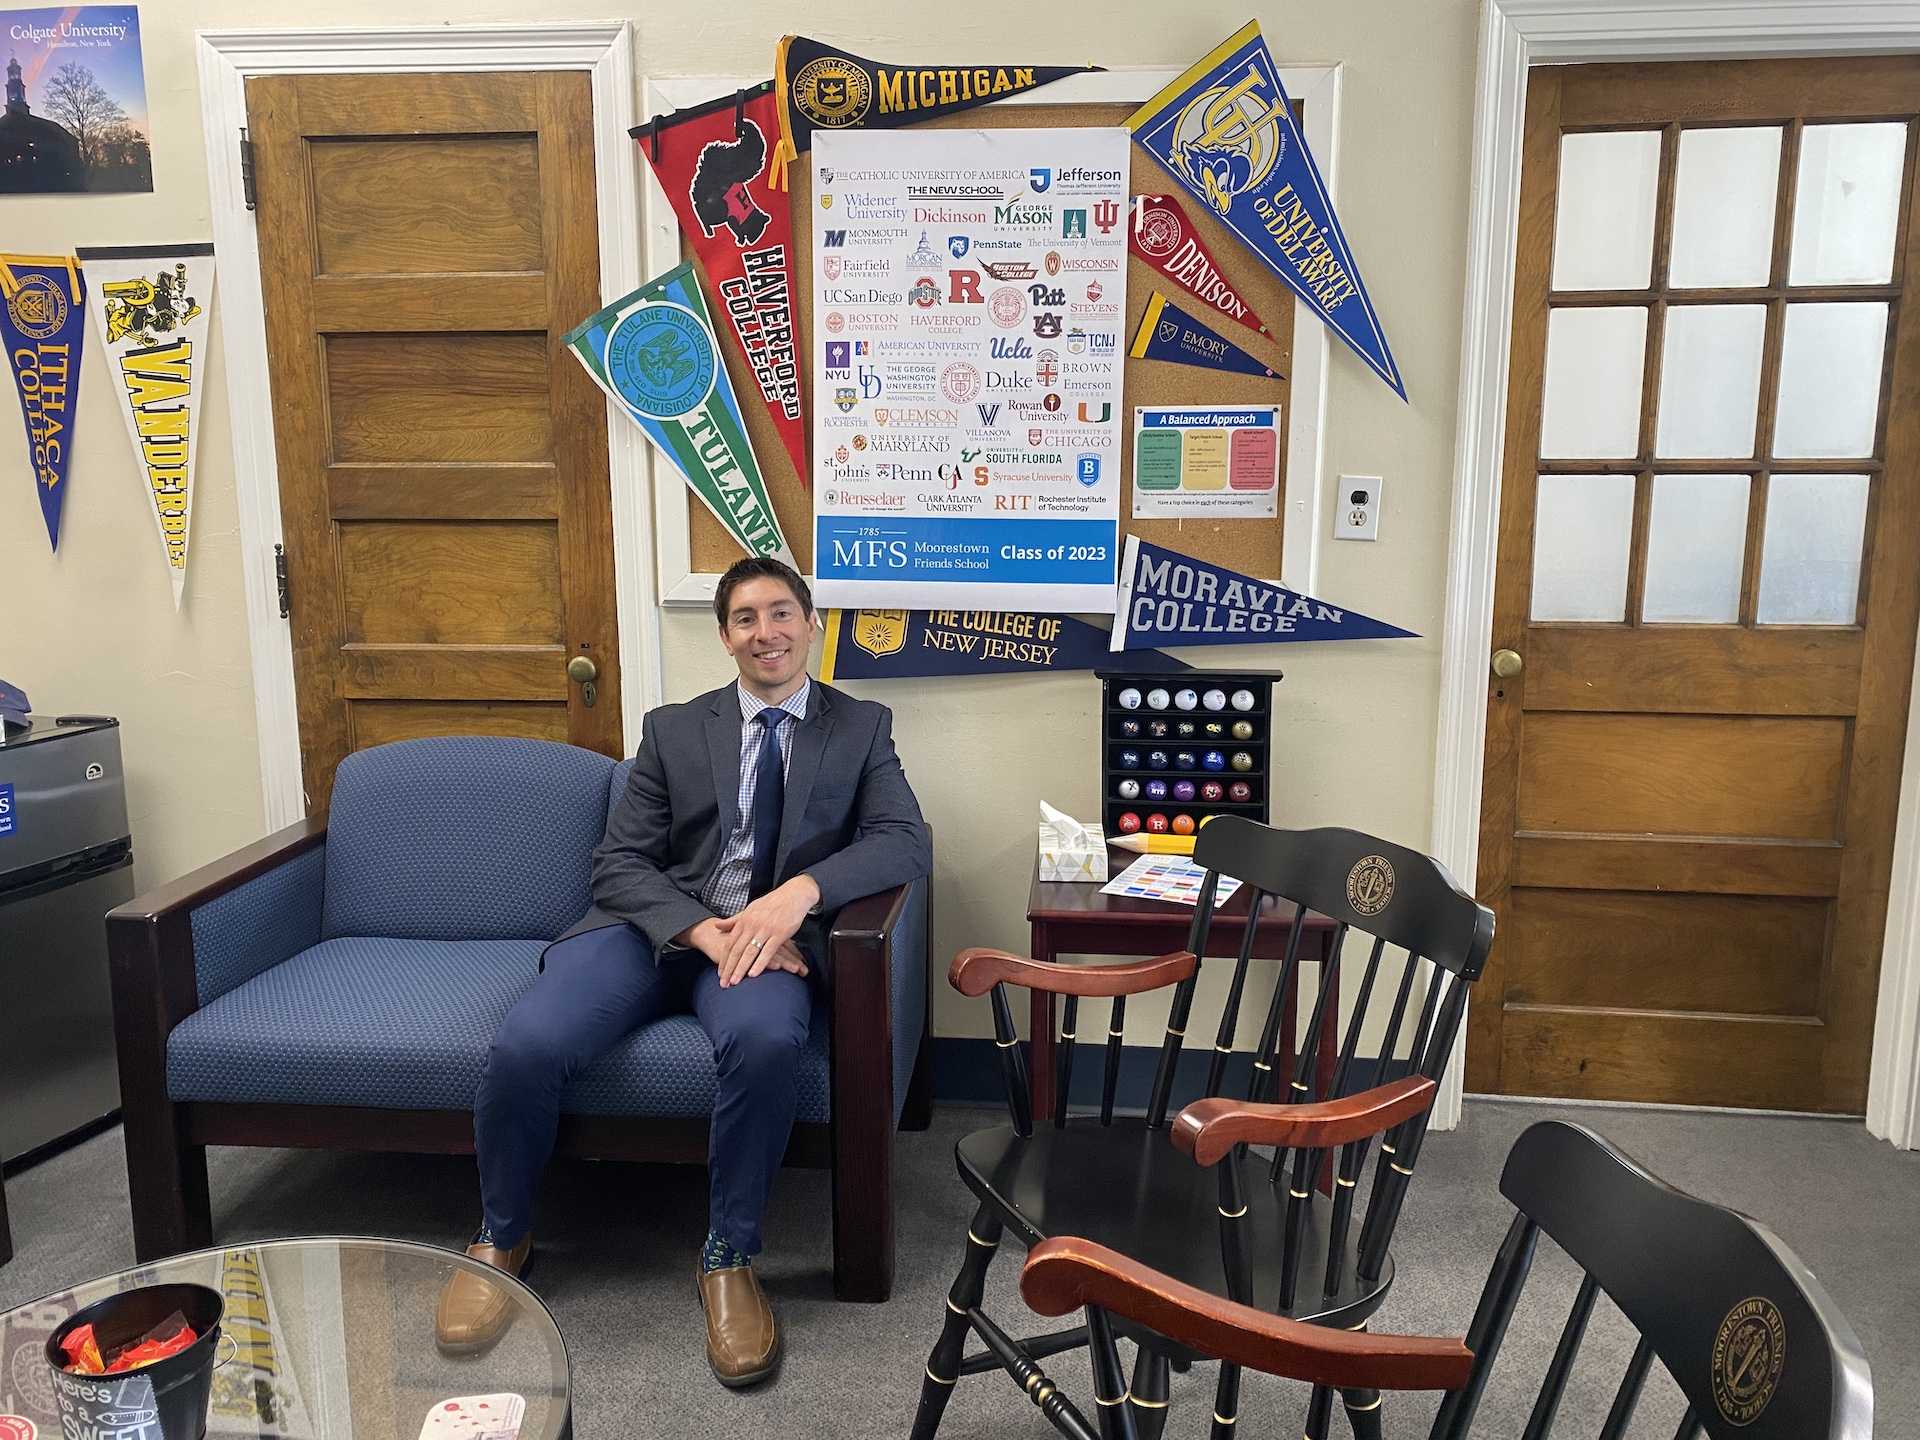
x=727 y=893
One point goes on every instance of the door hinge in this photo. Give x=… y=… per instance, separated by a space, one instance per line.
x=280 y=579
x=246 y=168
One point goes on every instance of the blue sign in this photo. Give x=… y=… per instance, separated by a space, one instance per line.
x=894 y=644
x=1167 y=598
x=42 y=324
x=1225 y=130
x=1168 y=333
x=6 y=810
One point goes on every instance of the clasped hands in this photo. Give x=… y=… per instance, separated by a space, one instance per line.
x=760 y=937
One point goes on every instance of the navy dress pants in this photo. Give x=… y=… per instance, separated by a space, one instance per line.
x=597 y=988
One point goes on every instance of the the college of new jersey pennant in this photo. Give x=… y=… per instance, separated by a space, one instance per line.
x=896 y=644
x=1164 y=237
x=713 y=162
x=151 y=306
x=1167 y=332
x=822 y=87
x=655 y=353
x=1167 y=598
x=1226 y=131
x=43 y=320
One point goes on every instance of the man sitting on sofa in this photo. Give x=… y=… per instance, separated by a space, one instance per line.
x=752 y=814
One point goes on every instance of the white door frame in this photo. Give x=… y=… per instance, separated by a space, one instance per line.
x=1515 y=34
x=603 y=49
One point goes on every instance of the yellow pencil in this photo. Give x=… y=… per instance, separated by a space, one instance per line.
x=1155 y=844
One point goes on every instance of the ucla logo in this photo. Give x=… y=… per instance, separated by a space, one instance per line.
x=661 y=361
x=1228 y=138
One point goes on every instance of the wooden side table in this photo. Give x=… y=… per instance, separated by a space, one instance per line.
x=1074 y=918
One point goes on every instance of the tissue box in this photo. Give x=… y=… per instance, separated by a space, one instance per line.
x=1080 y=858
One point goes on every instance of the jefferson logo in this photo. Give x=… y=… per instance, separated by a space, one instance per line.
x=1040 y=178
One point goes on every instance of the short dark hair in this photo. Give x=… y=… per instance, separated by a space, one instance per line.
x=757 y=567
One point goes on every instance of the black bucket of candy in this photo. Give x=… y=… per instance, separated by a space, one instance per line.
x=165 y=1399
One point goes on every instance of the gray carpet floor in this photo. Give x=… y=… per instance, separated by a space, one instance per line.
x=617 y=1243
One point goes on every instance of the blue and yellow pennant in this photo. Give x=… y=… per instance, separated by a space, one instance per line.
x=43 y=322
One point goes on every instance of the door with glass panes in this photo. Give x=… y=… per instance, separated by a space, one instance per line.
x=1704 y=616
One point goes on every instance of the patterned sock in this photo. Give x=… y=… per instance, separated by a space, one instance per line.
x=717 y=1254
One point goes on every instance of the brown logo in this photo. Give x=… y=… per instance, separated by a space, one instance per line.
x=1749 y=1352
x=1370 y=885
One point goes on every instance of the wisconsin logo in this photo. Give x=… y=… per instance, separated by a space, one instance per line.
x=880 y=632
x=1053 y=262
x=1228 y=139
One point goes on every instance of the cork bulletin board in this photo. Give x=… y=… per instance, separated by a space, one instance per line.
x=692 y=547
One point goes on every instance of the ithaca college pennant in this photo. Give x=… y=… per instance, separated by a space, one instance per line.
x=1164 y=237
x=43 y=320
x=822 y=87
x=712 y=161
x=1167 y=598
x=1226 y=131
x=655 y=353
x=1168 y=333
x=900 y=644
x=150 y=304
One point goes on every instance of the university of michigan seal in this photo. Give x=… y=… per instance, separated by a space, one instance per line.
x=832 y=92
x=1370 y=884
x=661 y=360
x=1749 y=1352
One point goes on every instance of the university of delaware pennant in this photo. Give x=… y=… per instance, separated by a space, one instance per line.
x=150 y=307
x=1167 y=598
x=1226 y=131
x=43 y=321
x=897 y=644
x=822 y=87
x=1167 y=332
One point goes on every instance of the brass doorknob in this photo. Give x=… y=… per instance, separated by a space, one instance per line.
x=1507 y=663
x=581 y=669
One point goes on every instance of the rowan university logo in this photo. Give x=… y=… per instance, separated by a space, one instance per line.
x=880 y=632
x=1749 y=1352
x=1370 y=885
x=832 y=92
x=1228 y=138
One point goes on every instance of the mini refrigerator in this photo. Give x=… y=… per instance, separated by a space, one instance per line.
x=66 y=858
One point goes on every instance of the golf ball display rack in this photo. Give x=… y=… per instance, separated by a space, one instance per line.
x=1179 y=748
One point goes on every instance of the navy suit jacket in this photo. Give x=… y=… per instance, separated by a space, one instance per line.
x=849 y=819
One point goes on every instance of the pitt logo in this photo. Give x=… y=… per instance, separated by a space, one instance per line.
x=1228 y=139
x=880 y=632
x=832 y=93
x=1749 y=1352
x=1370 y=884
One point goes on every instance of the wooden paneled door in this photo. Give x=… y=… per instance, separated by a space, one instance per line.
x=425 y=242
x=1704 y=611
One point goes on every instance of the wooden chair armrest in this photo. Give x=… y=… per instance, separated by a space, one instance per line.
x=1208 y=1129
x=871 y=919
x=229 y=872
x=976 y=971
x=1067 y=1272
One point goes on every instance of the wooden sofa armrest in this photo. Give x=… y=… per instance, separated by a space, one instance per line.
x=978 y=970
x=871 y=919
x=229 y=872
x=1208 y=1129
x=1067 y=1272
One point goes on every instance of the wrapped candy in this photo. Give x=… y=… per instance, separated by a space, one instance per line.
x=169 y=1337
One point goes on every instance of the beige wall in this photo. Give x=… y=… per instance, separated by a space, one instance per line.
x=1355 y=723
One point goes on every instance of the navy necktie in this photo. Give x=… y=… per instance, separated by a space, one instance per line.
x=769 y=798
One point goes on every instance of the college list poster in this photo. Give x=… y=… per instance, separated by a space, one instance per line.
x=969 y=292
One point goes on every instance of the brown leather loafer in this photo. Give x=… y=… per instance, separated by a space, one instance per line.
x=743 y=1343
x=474 y=1313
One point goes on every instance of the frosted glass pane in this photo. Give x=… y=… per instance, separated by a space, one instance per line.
x=1710 y=380
x=1603 y=231
x=1810 y=568
x=1591 y=409
x=1696 y=542
x=1723 y=199
x=1830 y=380
x=1581 y=528
x=1846 y=203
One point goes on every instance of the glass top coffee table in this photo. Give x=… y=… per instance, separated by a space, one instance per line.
x=332 y=1338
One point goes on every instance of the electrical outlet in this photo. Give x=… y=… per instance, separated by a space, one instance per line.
x=1356 y=513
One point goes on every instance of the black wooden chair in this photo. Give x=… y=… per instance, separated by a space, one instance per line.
x=1756 y=1346
x=1139 y=1185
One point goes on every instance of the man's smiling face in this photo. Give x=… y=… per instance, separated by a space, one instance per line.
x=768 y=633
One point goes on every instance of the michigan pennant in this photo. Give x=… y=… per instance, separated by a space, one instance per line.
x=822 y=87
x=1226 y=131
x=43 y=321
x=713 y=162
x=655 y=353
x=1163 y=236
x=150 y=308
x=1167 y=598
x=896 y=644
x=1166 y=332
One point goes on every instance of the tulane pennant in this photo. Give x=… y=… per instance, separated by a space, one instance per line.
x=1226 y=131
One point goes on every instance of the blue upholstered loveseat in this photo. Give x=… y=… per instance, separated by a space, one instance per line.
x=337 y=986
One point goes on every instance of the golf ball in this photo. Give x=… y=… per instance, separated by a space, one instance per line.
x=1157 y=729
x=1156 y=790
x=1130 y=729
x=1158 y=700
x=1214 y=699
x=1242 y=760
x=1243 y=699
x=1183 y=760
x=1240 y=791
x=1128 y=789
x=1213 y=760
x=1129 y=699
x=1243 y=730
x=1156 y=760
x=1129 y=759
x=1185 y=700
x=1128 y=822
x=1157 y=823
x=1183 y=790
x=1183 y=825
x=1212 y=790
